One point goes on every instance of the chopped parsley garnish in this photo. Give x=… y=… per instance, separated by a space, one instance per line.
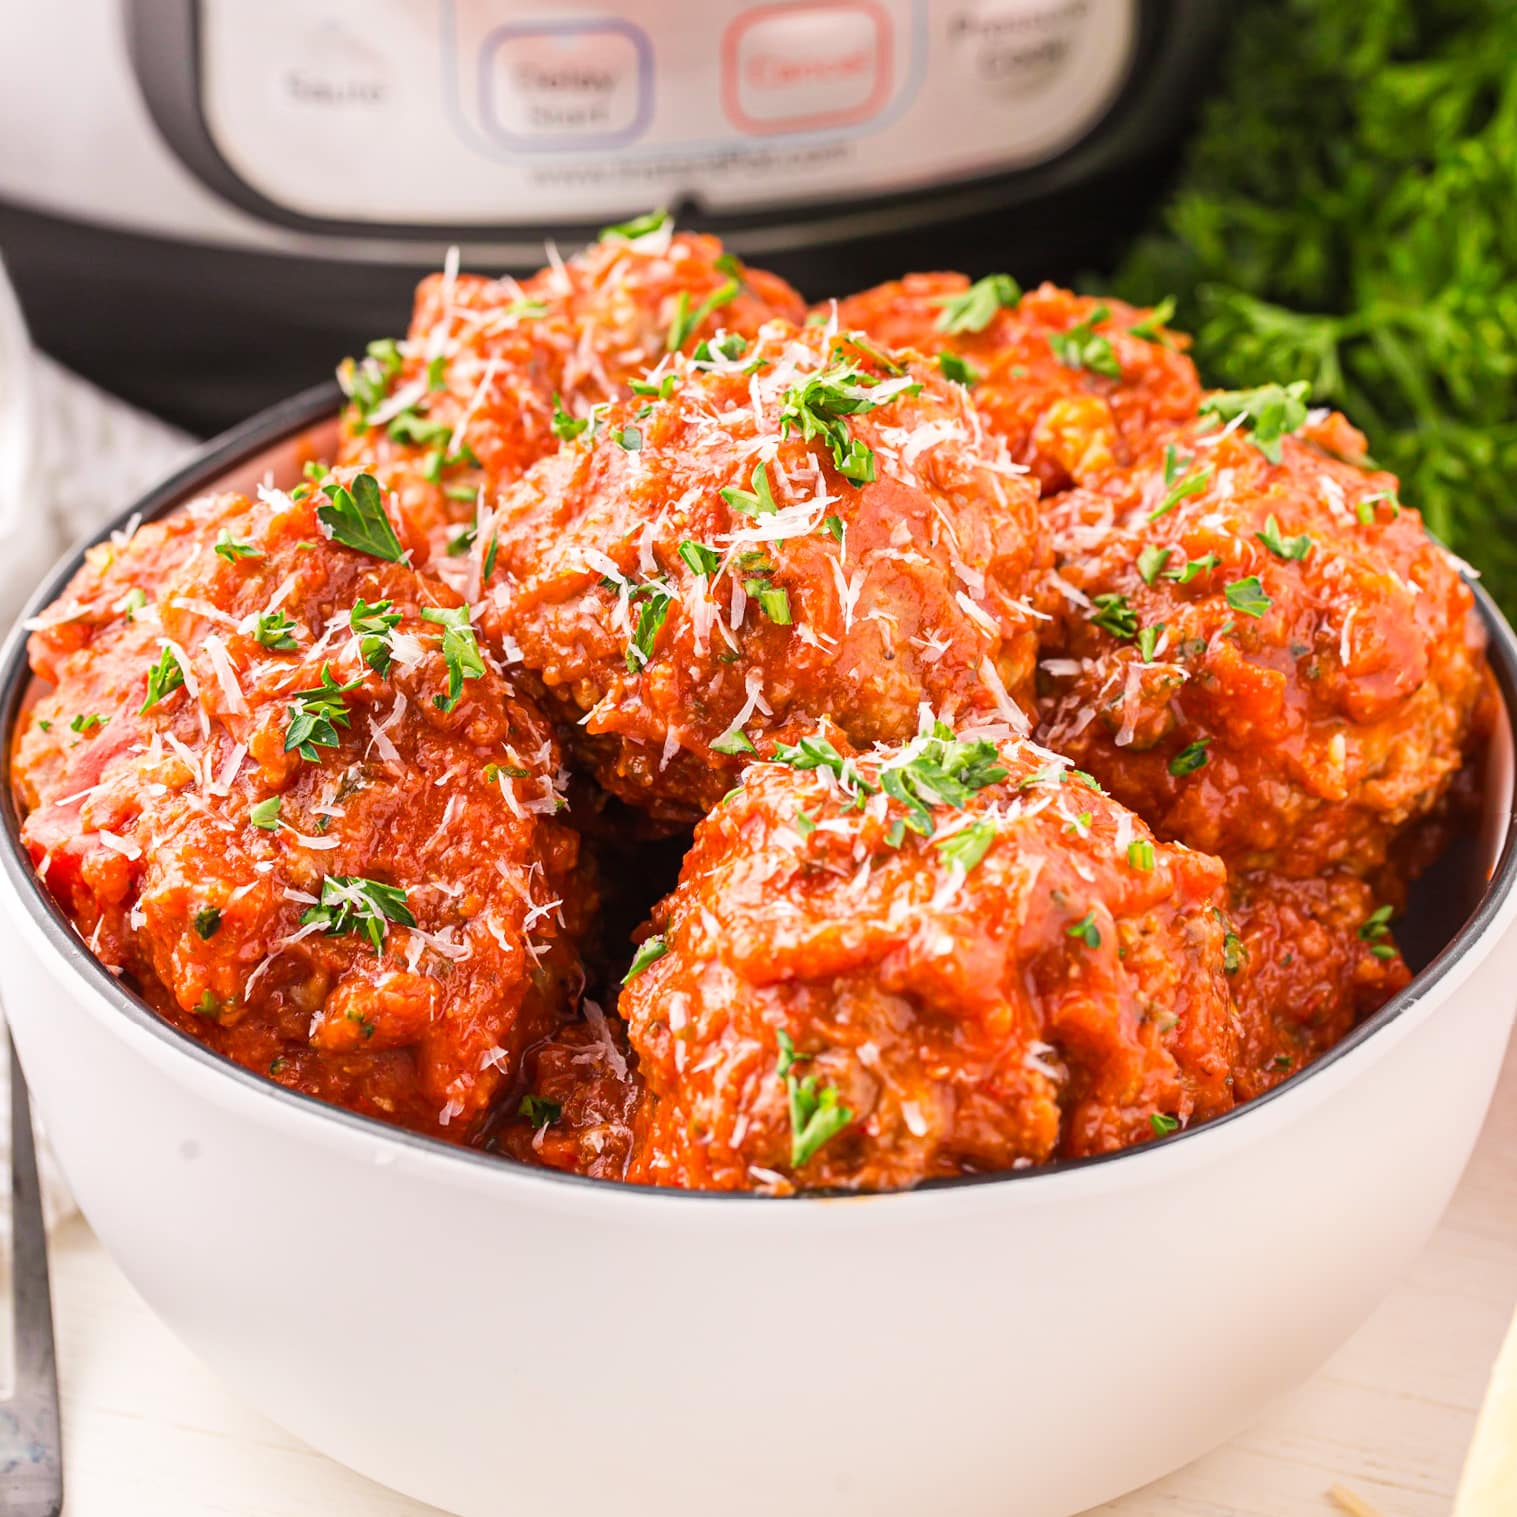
x=374 y=624
x=350 y=903
x=1149 y=327
x=1364 y=507
x=756 y=502
x=492 y=549
x=1190 y=758
x=686 y=322
x=207 y=922
x=133 y=602
x=1163 y=1125
x=316 y=715
x=733 y=743
x=419 y=431
x=650 y=619
x=649 y=951
x=1191 y=484
x=660 y=391
x=772 y=600
x=275 y=631
x=1148 y=641
x=231 y=550
x=1183 y=574
x=1140 y=854
x=1233 y=953
x=938 y=769
x=460 y=651
x=44 y=725
x=539 y=1111
x=957 y=369
x=437 y=372
x=356 y=519
x=1283 y=547
x=805 y=823
x=820 y=406
x=730 y=346
x=85 y=724
x=1115 y=615
x=975 y=308
x=1085 y=930
x=265 y=814
x=1082 y=347
x=463 y=540
x=628 y=438
x=1270 y=412
x=163 y=678
x=965 y=848
x=1247 y=596
x=640 y=226
x=368 y=382
x=1151 y=562
x=816 y=1116
x=700 y=558
x=834 y=526
x=566 y=427
x=1375 y=929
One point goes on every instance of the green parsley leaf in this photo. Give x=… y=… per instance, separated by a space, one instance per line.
x=1286 y=548
x=975 y=308
x=1192 y=484
x=640 y=226
x=1163 y=1125
x=316 y=715
x=1151 y=561
x=1082 y=347
x=367 y=383
x=275 y=631
x=628 y=438
x=566 y=427
x=649 y=951
x=1247 y=596
x=700 y=558
x=1270 y=412
x=351 y=903
x=938 y=769
x=265 y=814
x=207 y=922
x=84 y=724
x=957 y=369
x=1183 y=574
x=133 y=602
x=1234 y=955
x=834 y=526
x=650 y=619
x=805 y=823
x=1149 y=327
x=772 y=601
x=1115 y=615
x=1085 y=930
x=163 y=678
x=687 y=322
x=816 y=1116
x=374 y=625
x=231 y=550
x=1140 y=854
x=819 y=407
x=356 y=519
x=965 y=848
x=411 y=427
x=1148 y=641
x=733 y=743
x=539 y=1111
x=1376 y=925
x=460 y=651
x=757 y=502
x=1190 y=758
x=1364 y=507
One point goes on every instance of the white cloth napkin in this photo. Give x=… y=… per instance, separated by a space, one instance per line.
x=70 y=458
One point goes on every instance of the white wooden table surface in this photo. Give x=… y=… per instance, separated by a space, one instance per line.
x=148 y=1430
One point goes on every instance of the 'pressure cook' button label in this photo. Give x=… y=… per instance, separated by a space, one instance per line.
x=794 y=68
x=566 y=84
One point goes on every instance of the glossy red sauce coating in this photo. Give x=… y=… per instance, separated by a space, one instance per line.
x=1069 y=422
x=1309 y=688
x=816 y=596
x=475 y=379
x=1063 y=995
x=143 y=824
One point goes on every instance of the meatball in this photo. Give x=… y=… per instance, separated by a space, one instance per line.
x=277 y=784
x=1261 y=650
x=1077 y=386
x=1317 y=957
x=925 y=960
x=468 y=400
x=772 y=533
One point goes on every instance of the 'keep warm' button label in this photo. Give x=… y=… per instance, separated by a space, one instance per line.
x=795 y=68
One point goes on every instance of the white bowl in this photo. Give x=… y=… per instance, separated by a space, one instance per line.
x=488 y=1337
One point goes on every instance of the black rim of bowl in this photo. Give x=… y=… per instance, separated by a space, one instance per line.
x=312 y=407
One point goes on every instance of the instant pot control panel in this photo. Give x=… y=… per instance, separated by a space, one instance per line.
x=386 y=116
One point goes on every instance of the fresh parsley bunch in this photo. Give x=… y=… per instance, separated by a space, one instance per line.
x=1347 y=215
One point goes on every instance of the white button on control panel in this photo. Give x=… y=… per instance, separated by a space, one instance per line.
x=571 y=83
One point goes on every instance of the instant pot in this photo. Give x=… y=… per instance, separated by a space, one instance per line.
x=202 y=200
